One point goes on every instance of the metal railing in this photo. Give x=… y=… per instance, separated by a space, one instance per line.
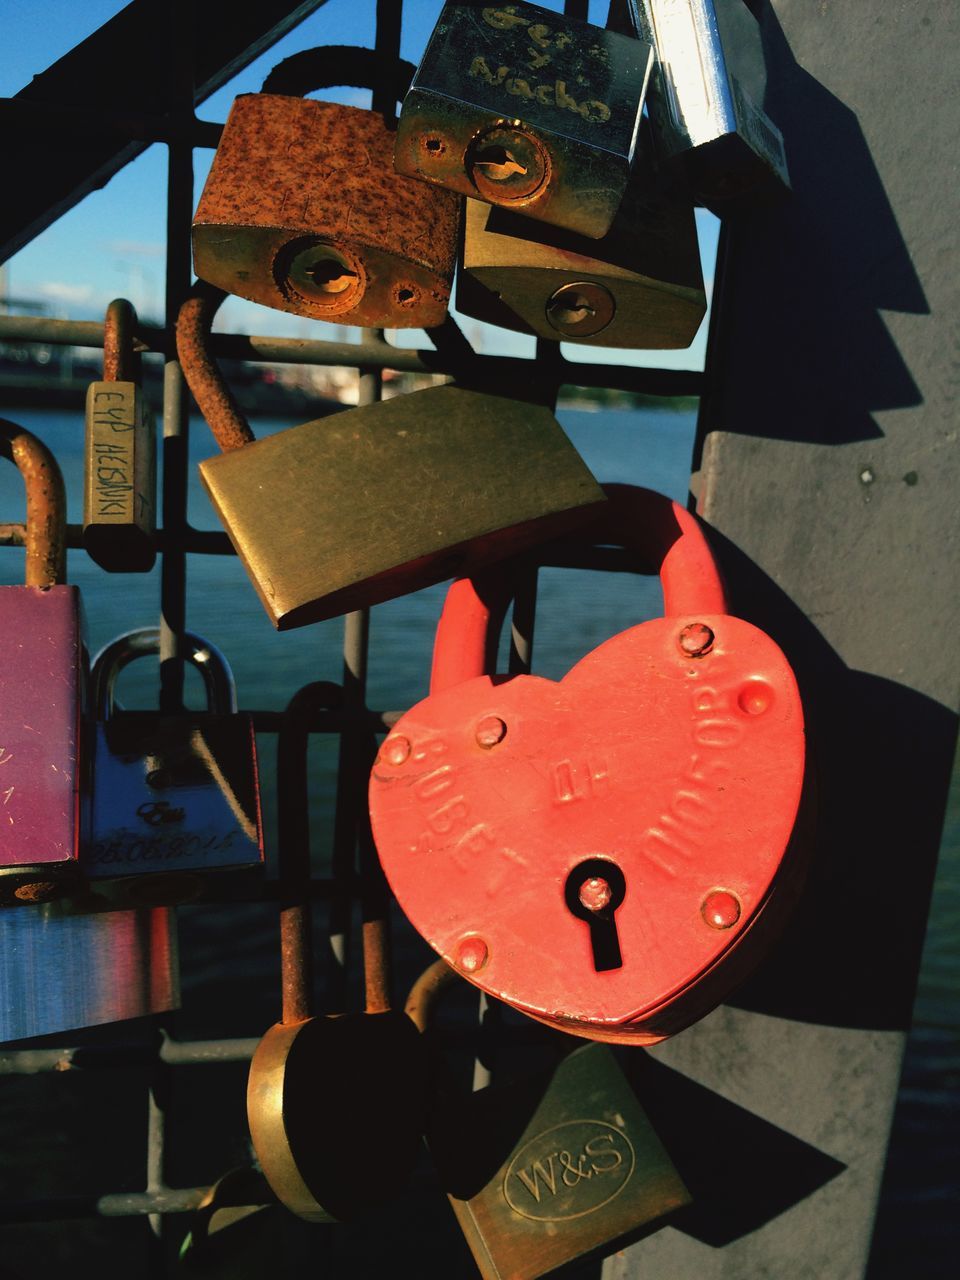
x=353 y=721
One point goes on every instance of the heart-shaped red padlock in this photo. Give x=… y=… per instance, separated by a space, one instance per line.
x=606 y=853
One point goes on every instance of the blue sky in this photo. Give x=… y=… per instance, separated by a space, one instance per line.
x=112 y=243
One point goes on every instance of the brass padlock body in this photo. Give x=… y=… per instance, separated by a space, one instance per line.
x=526 y=108
x=541 y=1174
x=303 y=211
x=119 y=489
x=646 y=284
x=362 y=506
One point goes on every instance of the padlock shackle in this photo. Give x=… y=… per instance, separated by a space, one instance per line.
x=668 y=538
x=215 y=400
x=293 y=846
x=45 y=535
x=210 y=661
x=121 y=354
x=335 y=65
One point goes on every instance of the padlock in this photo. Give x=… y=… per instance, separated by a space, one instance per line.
x=176 y=800
x=63 y=968
x=704 y=98
x=529 y=109
x=640 y=286
x=549 y=1167
x=303 y=211
x=336 y=1103
x=120 y=458
x=609 y=853
x=366 y=505
x=42 y=675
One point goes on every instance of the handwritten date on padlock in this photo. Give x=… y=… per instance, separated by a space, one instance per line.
x=681 y=773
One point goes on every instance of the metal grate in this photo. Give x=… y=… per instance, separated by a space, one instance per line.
x=177 y=540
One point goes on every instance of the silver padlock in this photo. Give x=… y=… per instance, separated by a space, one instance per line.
x=176 y=801
x=705 y=98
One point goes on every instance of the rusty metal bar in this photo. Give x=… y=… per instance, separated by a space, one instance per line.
x=373 y=354
x=46 y=561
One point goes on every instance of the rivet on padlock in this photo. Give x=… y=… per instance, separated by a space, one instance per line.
x=550 y=1167
x=641 y=285
x=176 y=803
x=324 y=1092
x=366 y=505
x=704 y=98
x=626 y=851
x=120 y=468
x=529 y=109
x=63 y=969
x=303 y=211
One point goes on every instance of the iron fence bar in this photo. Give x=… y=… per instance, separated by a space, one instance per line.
x=86 y=122
x=372 y=354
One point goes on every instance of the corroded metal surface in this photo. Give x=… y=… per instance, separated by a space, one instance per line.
x=303 y=211
x=214 y=398
x=46 y=554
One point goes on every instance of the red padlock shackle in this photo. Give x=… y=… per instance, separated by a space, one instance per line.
x=649 y=523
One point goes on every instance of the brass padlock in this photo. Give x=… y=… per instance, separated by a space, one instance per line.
x=704 y=98
x=548 y=1168
x=335 y=1104
x=640 y=286
x=176 y=801
x=303 y=211
x=362 y=506
x=120 y=467
x=529 y=109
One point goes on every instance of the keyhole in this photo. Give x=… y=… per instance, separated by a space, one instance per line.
x=572 y=311
x=498 y=163
x=594 y=892
x=330 y=276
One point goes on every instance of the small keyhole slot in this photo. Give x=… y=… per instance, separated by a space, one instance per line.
x=594 y=892
x=498 y=162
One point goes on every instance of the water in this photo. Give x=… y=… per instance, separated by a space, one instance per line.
x=236 y=951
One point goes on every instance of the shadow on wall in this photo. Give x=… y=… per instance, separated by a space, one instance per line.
x=831 y=258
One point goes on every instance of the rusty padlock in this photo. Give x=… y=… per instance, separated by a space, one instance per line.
x=608 y=853
x=303 y=211
x=639 y=286
x=529 y=109
x=547 y=1167
x=366 y=505
x=120 y=458
x=65 y=967
x=705 y=98
x=176 y=798
x=326 y=1092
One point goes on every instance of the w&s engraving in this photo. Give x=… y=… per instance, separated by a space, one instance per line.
x=568 y=1171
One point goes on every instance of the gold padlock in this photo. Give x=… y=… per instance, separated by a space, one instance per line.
x=548 y=1168
x=120 y=458
x=639 y=286
x=362 y=506
x=303 y=211
x=528 y=109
